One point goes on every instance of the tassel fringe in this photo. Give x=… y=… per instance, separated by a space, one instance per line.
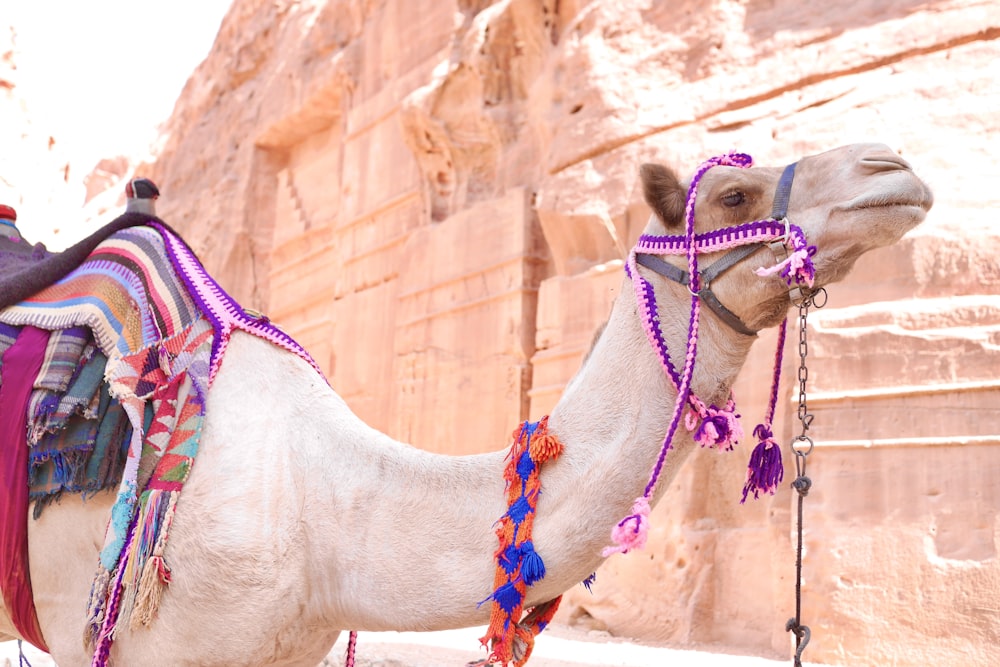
x=518 y=564
x=798 y=267
x=765 y=470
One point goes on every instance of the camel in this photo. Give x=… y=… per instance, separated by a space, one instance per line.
x=299 y=521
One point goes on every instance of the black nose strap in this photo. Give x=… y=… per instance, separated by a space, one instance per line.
x=783 y=193
x=706 y=294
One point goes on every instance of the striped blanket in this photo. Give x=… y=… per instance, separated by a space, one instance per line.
x=137 y=334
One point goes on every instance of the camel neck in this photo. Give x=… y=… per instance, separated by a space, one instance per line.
x=611 y=421
x=614 y=415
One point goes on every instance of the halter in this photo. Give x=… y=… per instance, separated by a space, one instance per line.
x=779 y=213
x=711 y=425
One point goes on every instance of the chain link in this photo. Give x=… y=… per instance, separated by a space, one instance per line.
x=802 y=446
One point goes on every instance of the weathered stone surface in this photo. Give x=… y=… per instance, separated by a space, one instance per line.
x=435 y=197
x=465 y=317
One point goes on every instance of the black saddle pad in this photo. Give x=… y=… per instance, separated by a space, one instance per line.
x=26 y=269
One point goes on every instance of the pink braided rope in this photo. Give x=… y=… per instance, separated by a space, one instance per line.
x=631 y=532
x=352 y=643
x=713 y=426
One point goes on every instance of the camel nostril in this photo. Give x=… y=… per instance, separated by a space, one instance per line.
x=885 y=162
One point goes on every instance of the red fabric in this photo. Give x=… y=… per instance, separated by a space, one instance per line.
x=21 y=364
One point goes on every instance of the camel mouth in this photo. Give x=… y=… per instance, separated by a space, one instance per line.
x=921 y=201
x=890 y=204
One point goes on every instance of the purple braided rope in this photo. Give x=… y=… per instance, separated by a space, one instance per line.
x=646 y=298
x=776 y=375
x=627 y=538
x=765 y=469
x=680 y=404
x=220 y=308
x=741 y=160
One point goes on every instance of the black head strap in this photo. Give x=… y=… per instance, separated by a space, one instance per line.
x=706 y=294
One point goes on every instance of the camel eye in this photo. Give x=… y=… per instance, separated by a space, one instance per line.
x=732 y=199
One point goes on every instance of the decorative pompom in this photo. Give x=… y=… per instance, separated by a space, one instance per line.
x=801 y=269
x=532 y=565
x=765 y=470
x=631 y=532
x=544 y=447
x=718 y=428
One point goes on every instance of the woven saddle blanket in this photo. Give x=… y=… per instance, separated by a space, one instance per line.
x=132 y=337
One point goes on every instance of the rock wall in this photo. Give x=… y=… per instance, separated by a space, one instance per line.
x=435 y=197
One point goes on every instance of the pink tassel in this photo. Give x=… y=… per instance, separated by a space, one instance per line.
x=631 y=532
x=798 y=267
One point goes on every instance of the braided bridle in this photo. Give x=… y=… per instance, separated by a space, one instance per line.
x=713 y=426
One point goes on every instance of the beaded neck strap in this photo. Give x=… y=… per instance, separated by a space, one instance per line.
x=711 y=425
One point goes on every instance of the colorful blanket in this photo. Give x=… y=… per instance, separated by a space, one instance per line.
x=138 y=332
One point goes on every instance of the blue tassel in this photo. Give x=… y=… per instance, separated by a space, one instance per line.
x=532 y=565
x=589 y=581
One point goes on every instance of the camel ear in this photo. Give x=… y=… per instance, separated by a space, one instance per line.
x=664 y=193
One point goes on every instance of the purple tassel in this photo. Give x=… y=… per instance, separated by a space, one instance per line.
x=765 y=470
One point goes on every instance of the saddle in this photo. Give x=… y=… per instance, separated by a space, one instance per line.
x=124 y=333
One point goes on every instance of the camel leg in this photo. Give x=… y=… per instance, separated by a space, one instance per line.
x=63 y=544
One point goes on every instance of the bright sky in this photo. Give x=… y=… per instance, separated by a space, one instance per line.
x=100 y=75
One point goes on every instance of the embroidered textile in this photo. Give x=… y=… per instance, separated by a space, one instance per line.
x=139 y=331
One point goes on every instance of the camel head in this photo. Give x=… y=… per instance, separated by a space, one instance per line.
x=845 y=201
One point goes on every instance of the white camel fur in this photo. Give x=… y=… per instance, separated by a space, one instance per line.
x=300 y=521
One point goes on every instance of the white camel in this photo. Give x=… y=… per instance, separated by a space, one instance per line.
x=299 y=521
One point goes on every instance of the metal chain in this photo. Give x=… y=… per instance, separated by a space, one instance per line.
x=802 y=446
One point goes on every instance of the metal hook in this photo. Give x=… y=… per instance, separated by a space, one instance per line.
x=802 y=635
